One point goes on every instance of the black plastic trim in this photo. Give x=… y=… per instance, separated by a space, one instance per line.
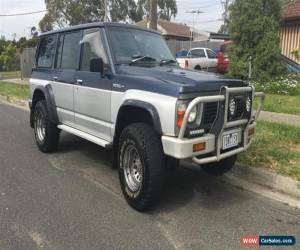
x=150 y=109
x=50 y=101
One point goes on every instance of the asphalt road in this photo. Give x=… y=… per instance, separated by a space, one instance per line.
x=71 y=200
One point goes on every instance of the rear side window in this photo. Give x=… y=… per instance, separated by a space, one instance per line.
x=211 y=54
x=196 y=53
x=67 y=51
x=46 y=51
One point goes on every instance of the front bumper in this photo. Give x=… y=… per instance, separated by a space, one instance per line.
x=183 y=148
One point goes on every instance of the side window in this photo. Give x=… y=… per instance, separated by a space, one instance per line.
x=92 y=49
x=211 y=54
x=46 y=51
x=67 y=51
x=197 y=53
x=60 y=44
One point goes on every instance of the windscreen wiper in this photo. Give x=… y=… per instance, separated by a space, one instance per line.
x=167 y=62
x=142 y=59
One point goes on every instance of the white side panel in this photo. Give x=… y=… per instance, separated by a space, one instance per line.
x=64 y=99
x=165 y=106
x=92 y=111
x=63 y=95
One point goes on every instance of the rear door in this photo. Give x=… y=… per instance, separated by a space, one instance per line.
x=92 y=93
x=66 y=63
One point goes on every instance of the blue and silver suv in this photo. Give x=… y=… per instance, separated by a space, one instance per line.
x=120 y=87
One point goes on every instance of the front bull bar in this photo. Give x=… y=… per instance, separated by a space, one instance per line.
x=251 y=123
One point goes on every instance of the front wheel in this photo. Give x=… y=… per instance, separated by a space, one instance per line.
x=221 y=167
x=141 y=166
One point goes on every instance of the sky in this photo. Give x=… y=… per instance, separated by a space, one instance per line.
x=20 y=25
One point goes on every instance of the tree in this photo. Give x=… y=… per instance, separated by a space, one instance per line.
x=166 y=9
x=62 y=13
x=123 y=10
x=8 y=57
x=254 y=30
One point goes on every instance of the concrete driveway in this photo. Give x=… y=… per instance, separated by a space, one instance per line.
x=71 y=200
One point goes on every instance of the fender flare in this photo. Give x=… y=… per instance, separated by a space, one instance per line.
x=149 y=108
x=50 y=101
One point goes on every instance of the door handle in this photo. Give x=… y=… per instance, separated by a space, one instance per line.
x=79 y=82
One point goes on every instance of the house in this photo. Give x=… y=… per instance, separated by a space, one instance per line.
x=183 y=32
x=181 y=36
x=290 y=29
x=170 y=30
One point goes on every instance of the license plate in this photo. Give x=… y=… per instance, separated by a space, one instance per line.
x=230 y=140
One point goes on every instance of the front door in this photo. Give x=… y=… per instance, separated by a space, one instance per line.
x=92 y=92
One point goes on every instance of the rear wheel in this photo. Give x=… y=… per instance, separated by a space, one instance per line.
x=198 y=67
x=220 y=167
x=46 y=133
x=141 y=166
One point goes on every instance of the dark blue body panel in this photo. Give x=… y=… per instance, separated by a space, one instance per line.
x=172 y=81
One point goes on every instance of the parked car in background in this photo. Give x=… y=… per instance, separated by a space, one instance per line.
x=223 y=59
x=182 y=53
x=199 y=59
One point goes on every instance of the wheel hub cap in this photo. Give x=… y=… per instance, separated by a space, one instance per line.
x=40 y=125
x=133 y=168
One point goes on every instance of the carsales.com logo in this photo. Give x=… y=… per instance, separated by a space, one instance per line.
x=254 y=241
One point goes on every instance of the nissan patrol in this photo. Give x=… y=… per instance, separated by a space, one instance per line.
x=120 y=87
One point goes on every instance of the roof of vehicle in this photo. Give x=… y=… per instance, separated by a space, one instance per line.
x=97 y=24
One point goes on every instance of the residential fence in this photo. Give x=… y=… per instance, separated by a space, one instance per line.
x=176 y=46
x=26 y=60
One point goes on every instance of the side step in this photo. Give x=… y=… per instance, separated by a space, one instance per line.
x=86 y=136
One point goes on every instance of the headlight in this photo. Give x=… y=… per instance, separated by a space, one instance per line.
x=193 y=115
x=232 y=107
x=248 y=104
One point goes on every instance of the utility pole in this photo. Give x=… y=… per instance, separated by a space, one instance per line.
x=197 y=12
x=225 y=4
x=153 y=14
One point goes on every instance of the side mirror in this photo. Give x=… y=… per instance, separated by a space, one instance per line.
x=97 y=65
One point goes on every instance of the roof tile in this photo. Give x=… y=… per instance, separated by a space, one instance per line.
x=291 y=11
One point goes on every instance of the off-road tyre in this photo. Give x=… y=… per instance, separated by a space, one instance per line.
x=142 y=188
x=46 y=133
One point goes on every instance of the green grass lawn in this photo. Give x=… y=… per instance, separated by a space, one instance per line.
x=10 y=74
x=275 y=147
x=282 y=104
x=14 y=90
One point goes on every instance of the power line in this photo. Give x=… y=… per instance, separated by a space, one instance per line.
x=23 y=14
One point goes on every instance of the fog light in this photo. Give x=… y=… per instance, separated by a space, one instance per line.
x=199 y=147
x=232 y=107
x=248 y=105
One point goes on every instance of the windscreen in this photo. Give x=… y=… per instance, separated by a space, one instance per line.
x=128 y=44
